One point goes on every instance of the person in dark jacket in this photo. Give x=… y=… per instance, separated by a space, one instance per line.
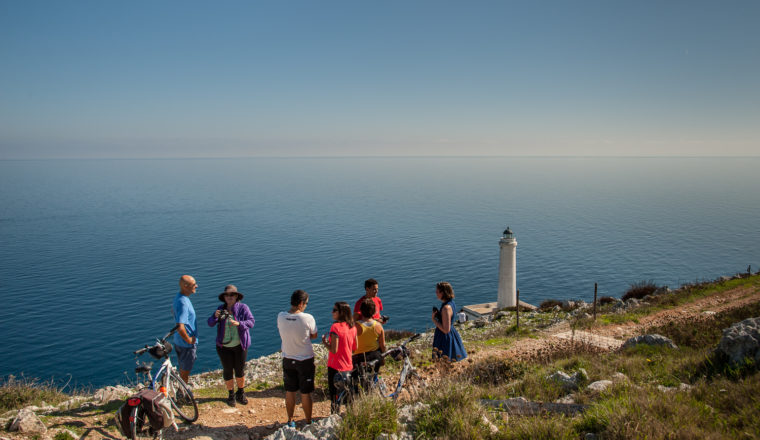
x=233 y=319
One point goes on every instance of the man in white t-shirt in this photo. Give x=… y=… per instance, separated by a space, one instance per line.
x=297 y=329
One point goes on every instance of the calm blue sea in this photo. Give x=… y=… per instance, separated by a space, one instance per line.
x=91 y=250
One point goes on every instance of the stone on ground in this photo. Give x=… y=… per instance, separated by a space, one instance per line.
x=27 y=422
x=741 y=340
x=653 y=339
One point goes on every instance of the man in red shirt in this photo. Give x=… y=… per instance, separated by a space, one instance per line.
x=370 y=289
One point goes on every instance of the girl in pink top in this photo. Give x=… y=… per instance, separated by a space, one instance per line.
x=341 y=344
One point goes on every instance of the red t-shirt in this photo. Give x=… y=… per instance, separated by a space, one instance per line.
x=341 y=360
x=378 y=306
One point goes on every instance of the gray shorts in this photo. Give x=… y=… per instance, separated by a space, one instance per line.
x=185 y=357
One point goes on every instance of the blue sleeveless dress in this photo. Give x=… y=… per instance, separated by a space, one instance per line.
x=449 y=345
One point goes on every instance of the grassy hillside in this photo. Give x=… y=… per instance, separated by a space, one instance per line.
x=656 y=392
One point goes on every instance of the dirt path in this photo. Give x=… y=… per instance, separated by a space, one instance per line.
x=555 y=339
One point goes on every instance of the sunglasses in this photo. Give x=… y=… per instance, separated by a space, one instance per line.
x=335 y=310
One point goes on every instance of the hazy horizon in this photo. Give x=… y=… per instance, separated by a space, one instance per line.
x=92 y=79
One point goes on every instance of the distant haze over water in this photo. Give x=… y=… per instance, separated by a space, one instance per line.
x=91 y=250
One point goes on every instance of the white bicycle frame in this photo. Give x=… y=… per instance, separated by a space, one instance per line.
x=166 y=369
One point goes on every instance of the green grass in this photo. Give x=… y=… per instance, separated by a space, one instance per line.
x=369 y=417
x=453 y=412
x=16 y=393
x=61 y=435
x=707 y=332
x=686 y=294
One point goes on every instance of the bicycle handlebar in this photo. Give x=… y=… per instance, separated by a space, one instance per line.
x=401 y=345
x=160 y=341
x=171 y=332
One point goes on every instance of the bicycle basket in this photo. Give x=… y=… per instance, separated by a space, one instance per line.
x=158 y=351
x=342 y=380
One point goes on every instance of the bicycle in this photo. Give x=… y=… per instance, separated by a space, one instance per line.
x=371 y=382
x=168 y=382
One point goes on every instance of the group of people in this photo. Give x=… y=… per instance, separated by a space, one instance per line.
x=355 y=336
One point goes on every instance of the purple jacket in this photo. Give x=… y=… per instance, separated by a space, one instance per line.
x=243 y=315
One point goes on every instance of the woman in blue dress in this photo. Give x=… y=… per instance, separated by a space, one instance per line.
x=447 y=343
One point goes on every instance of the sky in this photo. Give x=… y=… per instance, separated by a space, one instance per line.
x=163 y=79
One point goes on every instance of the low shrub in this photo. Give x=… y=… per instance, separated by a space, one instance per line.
x=640 y=290
x=607 y=300
x=397 y=335
x=549 y=304
x=495 y=371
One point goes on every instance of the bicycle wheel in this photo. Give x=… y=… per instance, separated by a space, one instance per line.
x=139 y=424
x=182 y=398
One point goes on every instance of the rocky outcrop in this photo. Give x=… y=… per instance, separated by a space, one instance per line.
x=653 y=339
x=108 y=394
x=568 y=382
x=27 y=422
x=741 y=341
x=322 y=429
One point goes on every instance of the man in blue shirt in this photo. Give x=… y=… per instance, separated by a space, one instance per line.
x=186 y=338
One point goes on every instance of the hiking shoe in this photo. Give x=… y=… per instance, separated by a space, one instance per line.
x=292 y=424
x=231 y=400
x=240 y=397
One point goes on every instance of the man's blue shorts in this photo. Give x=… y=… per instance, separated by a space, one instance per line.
x=186 y=357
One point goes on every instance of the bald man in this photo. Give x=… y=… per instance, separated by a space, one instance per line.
x=186 y=338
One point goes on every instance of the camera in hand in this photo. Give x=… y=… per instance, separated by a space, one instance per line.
x=437 y=313
x=224 y=314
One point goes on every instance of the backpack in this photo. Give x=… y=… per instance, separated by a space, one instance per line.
x=122 y=419
x=156 y=407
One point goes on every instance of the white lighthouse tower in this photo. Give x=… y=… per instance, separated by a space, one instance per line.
x=507 y=295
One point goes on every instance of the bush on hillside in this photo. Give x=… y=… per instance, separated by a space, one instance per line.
x=640 y=290
x=495 y=370
x=606 y=300
x=549 y=304
x=397 y=335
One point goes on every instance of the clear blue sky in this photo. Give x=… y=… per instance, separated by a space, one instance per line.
x=293 y=78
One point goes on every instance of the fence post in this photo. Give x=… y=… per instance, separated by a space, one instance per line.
x=595 y=301
x=517 y=309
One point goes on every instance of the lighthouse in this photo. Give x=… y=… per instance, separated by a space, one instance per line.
x=507 y=296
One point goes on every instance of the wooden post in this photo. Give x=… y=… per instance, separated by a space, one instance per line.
x=517 y=309
x=595 y=301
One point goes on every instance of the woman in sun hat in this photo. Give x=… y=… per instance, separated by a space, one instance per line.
x=233 y=320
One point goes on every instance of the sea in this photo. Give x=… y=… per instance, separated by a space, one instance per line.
x=91 y=251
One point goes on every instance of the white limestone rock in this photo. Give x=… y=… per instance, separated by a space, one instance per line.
x=741 y=340
x=27 y=422
x=568 y=382
x=653 y=339
x=109 y=393
x=599 y=385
